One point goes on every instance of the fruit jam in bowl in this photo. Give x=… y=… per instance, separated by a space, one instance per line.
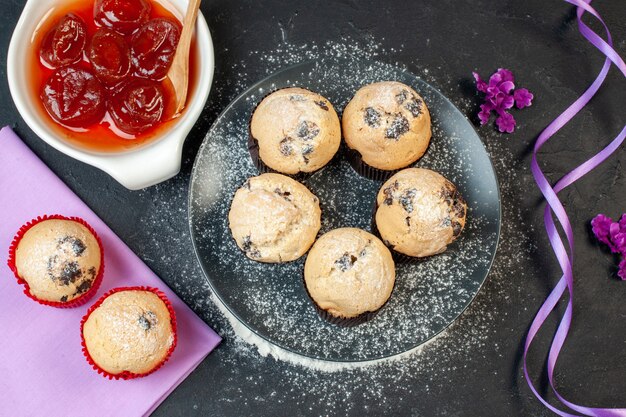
x=89 y=78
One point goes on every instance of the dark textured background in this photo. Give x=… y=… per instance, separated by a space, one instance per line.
x=476 y=369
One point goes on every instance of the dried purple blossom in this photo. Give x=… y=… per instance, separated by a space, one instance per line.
x=621 y=272
x=501 y=95
x=600 y=226
x=619 y=243
x=485 y=113
x=613 y=234
x=523 y=98
x=505 y=122
x=622 y=222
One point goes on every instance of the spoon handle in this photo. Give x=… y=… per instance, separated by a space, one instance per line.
x=179 y=70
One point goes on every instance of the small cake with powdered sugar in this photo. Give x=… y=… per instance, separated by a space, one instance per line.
x=274 y=218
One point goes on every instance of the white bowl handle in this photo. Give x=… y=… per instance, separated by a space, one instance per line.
x=152 y=165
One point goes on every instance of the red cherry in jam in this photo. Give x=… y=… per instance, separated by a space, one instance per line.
x=64 y=43
x=74 y=97
x=123 y=16
x=153 y=47
x=109 y=56
x=137 y=106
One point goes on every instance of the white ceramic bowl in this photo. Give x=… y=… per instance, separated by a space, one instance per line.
x=138 y=168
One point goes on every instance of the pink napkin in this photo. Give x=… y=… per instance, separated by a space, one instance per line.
x=42 y=368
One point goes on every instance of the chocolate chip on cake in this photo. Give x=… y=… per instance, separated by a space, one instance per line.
x=147 y=320
x=406 y=200
x=248 y=247
x=388 y=192
x=399 y=126
x=307 y=130
x=401 y=96
x=306 y=151
x=144 y=323
x=321 y=104
x=77 y=246
x=63 y=271
x=414 y=106
x=457 y=228
x=83 y=287
x=246 y=244
x=371 y=117
x=286 y=147
x=283 y=194
x=345 y=262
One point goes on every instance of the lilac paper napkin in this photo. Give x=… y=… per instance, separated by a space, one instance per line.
x=42 y=368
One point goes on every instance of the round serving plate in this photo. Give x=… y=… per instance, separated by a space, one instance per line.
x=270 y=299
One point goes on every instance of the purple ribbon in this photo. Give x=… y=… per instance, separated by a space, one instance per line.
x=554 y=206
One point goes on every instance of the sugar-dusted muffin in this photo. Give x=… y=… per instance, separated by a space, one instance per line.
x=274 y=218
x=419 y=212
x=129 y=332
x=388 y=124
x=296 y=130
x=59 y=260
x=349 y=274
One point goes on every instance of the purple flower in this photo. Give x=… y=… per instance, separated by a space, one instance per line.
x=621 y=272
x=485 y=113
x=612 y=234
x=600 y=226
x=500 y=82
x=500 y=95
x=619 y=242
x=617 y=239
x=501 y=101
x=523 y=98
x=622 y=223
x=505 y=122
x=480 y=84
x=505 y=74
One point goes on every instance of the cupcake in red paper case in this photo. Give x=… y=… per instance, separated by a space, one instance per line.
x=58 y=259
x=129 y=332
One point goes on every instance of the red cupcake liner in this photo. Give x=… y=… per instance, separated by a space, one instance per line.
x=76 y=302
x=126 y=375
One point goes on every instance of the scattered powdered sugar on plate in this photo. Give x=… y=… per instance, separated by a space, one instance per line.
x=270 y=298
x=245 y=370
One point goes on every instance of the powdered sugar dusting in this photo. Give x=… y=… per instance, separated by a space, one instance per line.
x=469 y=336
x=271 y=298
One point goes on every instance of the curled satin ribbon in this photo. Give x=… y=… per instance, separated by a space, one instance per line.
x=554 y=206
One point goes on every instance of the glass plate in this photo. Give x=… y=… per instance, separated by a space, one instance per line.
x=270 y=299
